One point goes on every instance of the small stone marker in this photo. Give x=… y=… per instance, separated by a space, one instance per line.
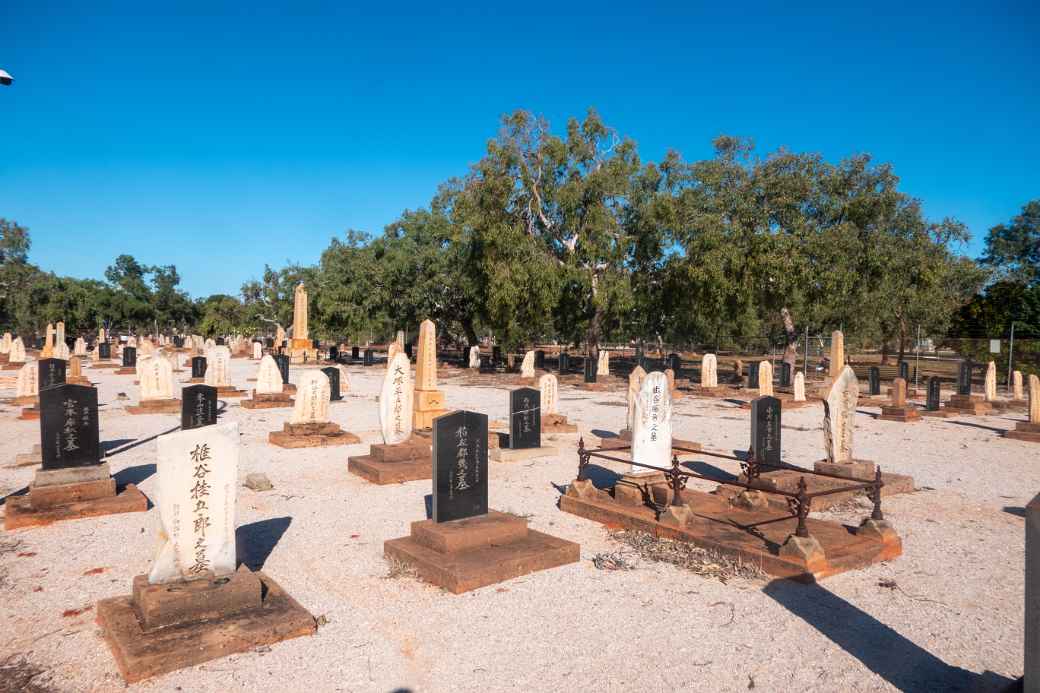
x=564 y=363
x=104 y=350
x=355 y=353
x=474 y=357
x=395 y=401
x=838 y=411
x=51 y=373
x=525 y=419
x=904 y=371
x=785 y=374
x=332 y=374
x=709 y=371
x=934 y=386
x=370 y=357
x=874 y=381
x=198 y=406
x=991 y=382
x=460 y=466
x=268 y=377
x=899 y=392
x=837 y=353
x=652 y=424
x=129 y=357
x=765 y=430
x=258 y=351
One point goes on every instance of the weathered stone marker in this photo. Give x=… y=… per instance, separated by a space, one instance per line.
x=934 y=389
x=104 y=350
x=765 y=430
x=429 y=401
x=904 y=371
x=785 y=374
x=527 y=365
x=129 y=357
x=198 y=406
x=370 y=357
x=765 y=378
x=564 y=363
x=309 y=425
x=709 y=372
x=964 y=378
x=752 y=376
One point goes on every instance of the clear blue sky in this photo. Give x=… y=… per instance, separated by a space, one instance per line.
x=222 y=137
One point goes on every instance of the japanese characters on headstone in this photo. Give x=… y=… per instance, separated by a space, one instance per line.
x=268 y=377
x=934 y=386
x=525 y=419
x=460 y=466
x=652 y=421
x=129 y=357
x=838 y=411
x=332 y=374
x=197 y=479
x=312 y=398
x=51 y=372
x=218 y=367
x=198 y=366
x=28 y=383
x=550 y=393
x=964 y=377
x=198 y=406
x=765 y=430
x=155 y=375
x=709 y=371
x=991 y=382
x=396 y=401
x=874 y=381
x=69 y=427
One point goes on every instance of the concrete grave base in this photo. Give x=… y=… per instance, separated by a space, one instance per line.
x=156 y=406
x=126 y=371
x=464 y=555
x=623 y=441
x=904 y=414
x=939 y=413
x=13 y=366
x=162 y=628
x=79 y=380
x=975 y=405
x=263 y=400
x=788 y=481
x=44 y=505
x=756 y=536
x=229 y=391
x=557 y=423
x=1025 y=431
x=311 y=435
x=29 y=413
x=29 y=459
x=501 y=454
x=394 y=464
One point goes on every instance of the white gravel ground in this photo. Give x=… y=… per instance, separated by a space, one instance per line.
x=953 y=621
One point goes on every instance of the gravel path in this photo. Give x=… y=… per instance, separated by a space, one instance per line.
x=947 y=615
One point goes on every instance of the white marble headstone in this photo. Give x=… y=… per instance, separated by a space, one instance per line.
x=474 y=357
x=28 y=384
x=838 y=412
x=395 y=401
x=17 y=354
x=652 y=432
x=550 y=389
x=709 y=371
x=635 y=384
x=156 y=377
x=218 y=365
x=603 y=364
x=258 y=351
x=799 y=387
x=312 y=398
x=268 y=377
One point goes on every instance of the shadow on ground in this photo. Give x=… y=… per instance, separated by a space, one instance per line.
x=257 y=540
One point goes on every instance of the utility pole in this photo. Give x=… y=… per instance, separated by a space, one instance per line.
x=1011 y=353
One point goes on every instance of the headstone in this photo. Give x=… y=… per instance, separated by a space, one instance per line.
x=268 y=377
x=104 y=350
x=991 y=382
x=474 y=357
x=61 y=351
x=283 y=366
x=198 y=366
x=837 y=353
x=785 y=374
x=964 y=377
x=393 y=349
x=408 y=350
x=675 y=363
x=550 y=393
x=218 y=367
x=1034 y=399
x=69 y=427
x=590 y=370
x=316 y=343
x=156 y=378
x=1016 y=386
x=904 y=371
x=129 y=357
x=396 y=401
x=603 y=364
x=527 y=366
x=279 y=336
x=75 y=370
x=5 y=343
x=525 y=419
x=709 y=371
x=460 y=466
x=838 y=411
x=197 y=481
x=652 y=431
x=370 y=357
x=874 y=381
x=312 y=398
x=934 y=386
x=565 y=363
x=355 y=353
x=486 y=365
x=332 y=374
x=539 y=359
x=752 y=376
x=799 y=387
x=28 y=383
x=198 y=406
x=178 y=342
x=80 y=348
x=258 y=351
x=300 y=326
x=635 y=384
x=765 y=430
x=334 y=354
x=51 y=372
x=496 y=354
x=765 y=378
x=898 y=392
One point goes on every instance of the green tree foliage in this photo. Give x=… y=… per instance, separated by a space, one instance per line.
x=1013 y=250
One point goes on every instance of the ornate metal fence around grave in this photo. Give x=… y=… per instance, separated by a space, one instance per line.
x=799 y=502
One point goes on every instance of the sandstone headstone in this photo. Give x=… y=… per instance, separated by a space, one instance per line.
x=258 y=351
x=527 y=365
x=28 y=380
x=898 y=392
x=1016 y=386
x=268 y=377
x=396 y=401
x=197 y=482
x=550 y=393
x=603 y=365
x=839 y=409
x=709 y=371
x=5 y=343
x=799 y=387
x=392 y=350
x=218 y=367
x=300 y=322
x=156 y=376
x=80 y=347
x=765 y=379
x=991 y=382
x=652 y=424
x=635 y=384
x=61 y=351
x=312 y=398
x=17 y=354
x=837 y=353
x=426 y=363
x=1034 y=399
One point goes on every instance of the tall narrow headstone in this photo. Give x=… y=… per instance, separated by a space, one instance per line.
x=370 y=357
x=282 y=360
x=991 y=382
x=934 y=385
x=396 y=401
x=1016 y=386
x=765 y=378
x=525 y=419
x=198 y=366
x=635 y=385
x=539 y=359
x=874 y=381
x=355 y=353
x=898 y=392
x=799 y=387
x=129 y=357
x=590 y=370
x=1034 y=399
x=197 y=481
x=752 y=376
x=709 y=371
x=785 y=374
x=964 y=377
x=904 y=371
x=69 y=427
x=837 y=353
x=333 y=375
x=104 y=350
x=838 y=411
x=652 y=424
x=603 y=364
x=429 y=401
x=460 y=466
x=564 y=363
x=258 y=351
x=765 y=430
x=550 y=393
x=474 y=357
x=198 y=406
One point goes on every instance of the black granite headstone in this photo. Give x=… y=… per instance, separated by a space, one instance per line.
x=964 y=378
x=198 y=406
x=104 y=350
x=496 y=354
x=50 y=373
x=354 y=353
x=785 y=374
x=316 y=343
x=486 y=365
x=539 y=359
x=129 y=357
x=178 y=342
x=334 y=354
x=675 y=363
x=460 y=466
x=752 y=376
x=525 y=418
x=765 y=430
x=904 y=371
x=408 y=350
x=933 y=394
x=565 y=363
x=283 y=367
x=198 y=366
x=370 y=357
x=220 y=341
x=38 y=343
x=590 y=369
x=69 y=427
x=874 y=381
x=333 y=374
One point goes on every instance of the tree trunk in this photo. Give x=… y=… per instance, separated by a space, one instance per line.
x=471 y=334
x=791 y=349
x=902 y=340
x=592 y=333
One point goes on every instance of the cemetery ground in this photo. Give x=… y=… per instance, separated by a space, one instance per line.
x=946 y=615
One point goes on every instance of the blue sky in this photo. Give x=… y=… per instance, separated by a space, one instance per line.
x=219 y=137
